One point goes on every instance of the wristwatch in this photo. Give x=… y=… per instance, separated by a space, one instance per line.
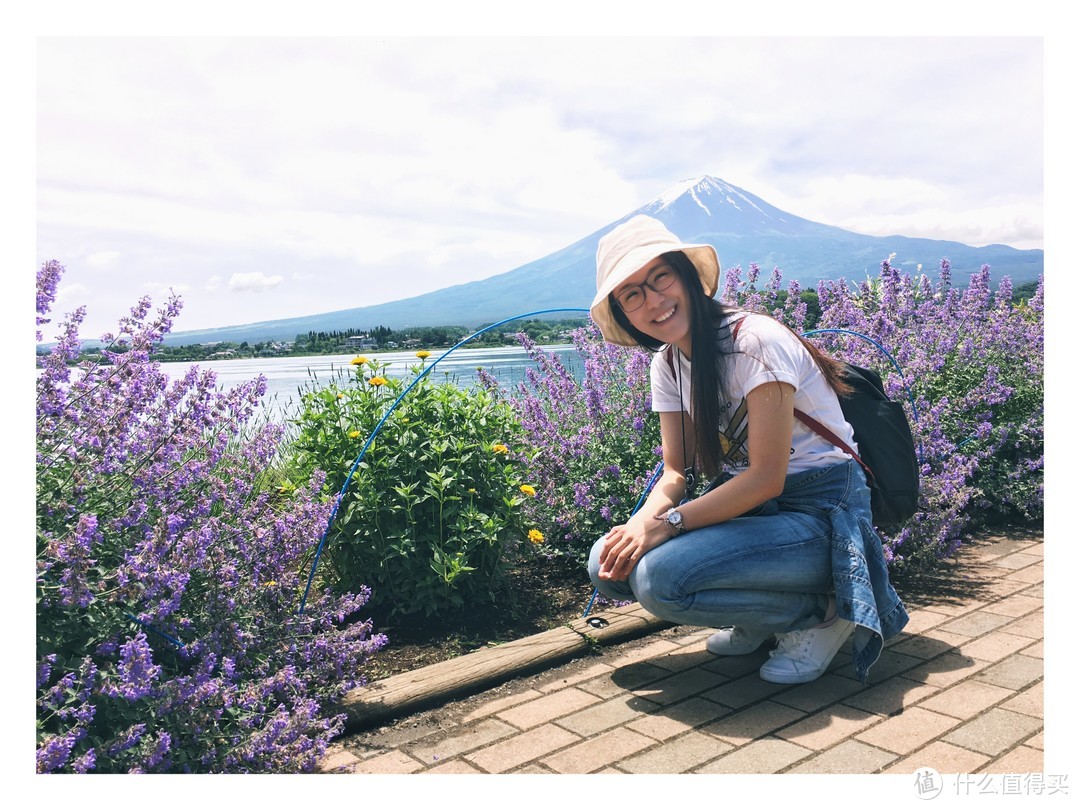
x=674 y=521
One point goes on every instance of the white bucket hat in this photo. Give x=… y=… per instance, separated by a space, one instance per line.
x=627 y=248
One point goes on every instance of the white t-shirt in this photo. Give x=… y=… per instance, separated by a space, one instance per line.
x=765 y=352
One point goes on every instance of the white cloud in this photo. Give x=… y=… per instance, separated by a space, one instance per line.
x=1019 y=226
x=884 y=205
x=68 y=298
x=253 y=282
x=156 y=291
x=103 y=258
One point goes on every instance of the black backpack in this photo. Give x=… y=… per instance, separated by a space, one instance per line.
x=887 y=448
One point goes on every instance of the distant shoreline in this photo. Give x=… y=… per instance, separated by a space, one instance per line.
x=355 y=342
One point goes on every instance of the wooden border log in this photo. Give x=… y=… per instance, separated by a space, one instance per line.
x=408 y=692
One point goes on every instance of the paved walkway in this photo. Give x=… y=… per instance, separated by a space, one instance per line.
x=960 y=691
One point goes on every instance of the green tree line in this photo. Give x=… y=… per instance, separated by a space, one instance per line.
x=369 y=340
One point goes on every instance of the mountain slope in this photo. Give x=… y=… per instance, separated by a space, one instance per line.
x=744 y=229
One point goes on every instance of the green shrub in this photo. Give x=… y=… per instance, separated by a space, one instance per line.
x=433 y=504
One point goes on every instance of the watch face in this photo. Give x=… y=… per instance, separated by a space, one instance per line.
x=674 y=518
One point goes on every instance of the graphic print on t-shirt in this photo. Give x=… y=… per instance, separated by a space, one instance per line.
x=733 y=440
x=733 y=437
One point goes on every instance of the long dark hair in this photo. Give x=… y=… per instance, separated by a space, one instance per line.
x=707 y=379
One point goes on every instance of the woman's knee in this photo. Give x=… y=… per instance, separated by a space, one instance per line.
x=594 y=559
x=619 y=591
x=656 y=592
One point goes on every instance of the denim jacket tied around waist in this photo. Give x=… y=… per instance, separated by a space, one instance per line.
x=864 y=594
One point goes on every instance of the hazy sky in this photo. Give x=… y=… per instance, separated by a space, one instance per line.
x=265 y=178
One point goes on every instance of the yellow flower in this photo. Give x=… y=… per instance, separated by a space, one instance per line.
x=271 y=583
x=341 y=396
x=354 y=434
x=359 y=360
x=472 y=491
x=377 y=381
x=527 y=490
x=535 y=536
x=423 y=354
x=500 y=448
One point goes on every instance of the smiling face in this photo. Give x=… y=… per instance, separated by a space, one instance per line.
x=663 y=315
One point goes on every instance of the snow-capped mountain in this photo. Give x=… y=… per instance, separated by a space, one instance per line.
x=744 y=229
x=721 y=208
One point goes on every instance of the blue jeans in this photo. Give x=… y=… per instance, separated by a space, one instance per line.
x=770 y=570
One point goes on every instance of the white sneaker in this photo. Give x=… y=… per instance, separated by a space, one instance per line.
x=736 y=640
x=802 y=656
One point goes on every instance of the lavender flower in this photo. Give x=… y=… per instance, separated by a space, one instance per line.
x=156 y=540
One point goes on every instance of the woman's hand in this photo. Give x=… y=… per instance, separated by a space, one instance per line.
x=628 y=543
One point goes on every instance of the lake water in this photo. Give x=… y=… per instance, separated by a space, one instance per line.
x=286 y=377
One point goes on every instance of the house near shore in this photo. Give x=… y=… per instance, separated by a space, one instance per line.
x=361 y=342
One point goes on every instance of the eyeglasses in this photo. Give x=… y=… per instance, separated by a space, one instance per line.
x=633 y=297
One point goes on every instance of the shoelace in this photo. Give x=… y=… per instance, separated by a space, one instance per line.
x=792 y=645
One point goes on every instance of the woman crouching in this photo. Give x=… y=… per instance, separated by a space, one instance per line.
x=781 y=544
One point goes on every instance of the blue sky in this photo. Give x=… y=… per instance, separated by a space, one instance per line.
x=272 y=177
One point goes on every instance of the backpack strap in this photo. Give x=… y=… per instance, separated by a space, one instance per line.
x=831 y=437
x=735 y=330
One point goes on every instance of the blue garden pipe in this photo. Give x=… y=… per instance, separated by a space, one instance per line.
x=900 y=371
x=880 y=348
x=378 y=427
x=175 y=641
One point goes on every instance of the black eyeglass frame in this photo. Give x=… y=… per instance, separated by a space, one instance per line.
x=650 y=283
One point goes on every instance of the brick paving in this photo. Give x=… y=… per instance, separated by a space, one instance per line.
x=960 y=691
